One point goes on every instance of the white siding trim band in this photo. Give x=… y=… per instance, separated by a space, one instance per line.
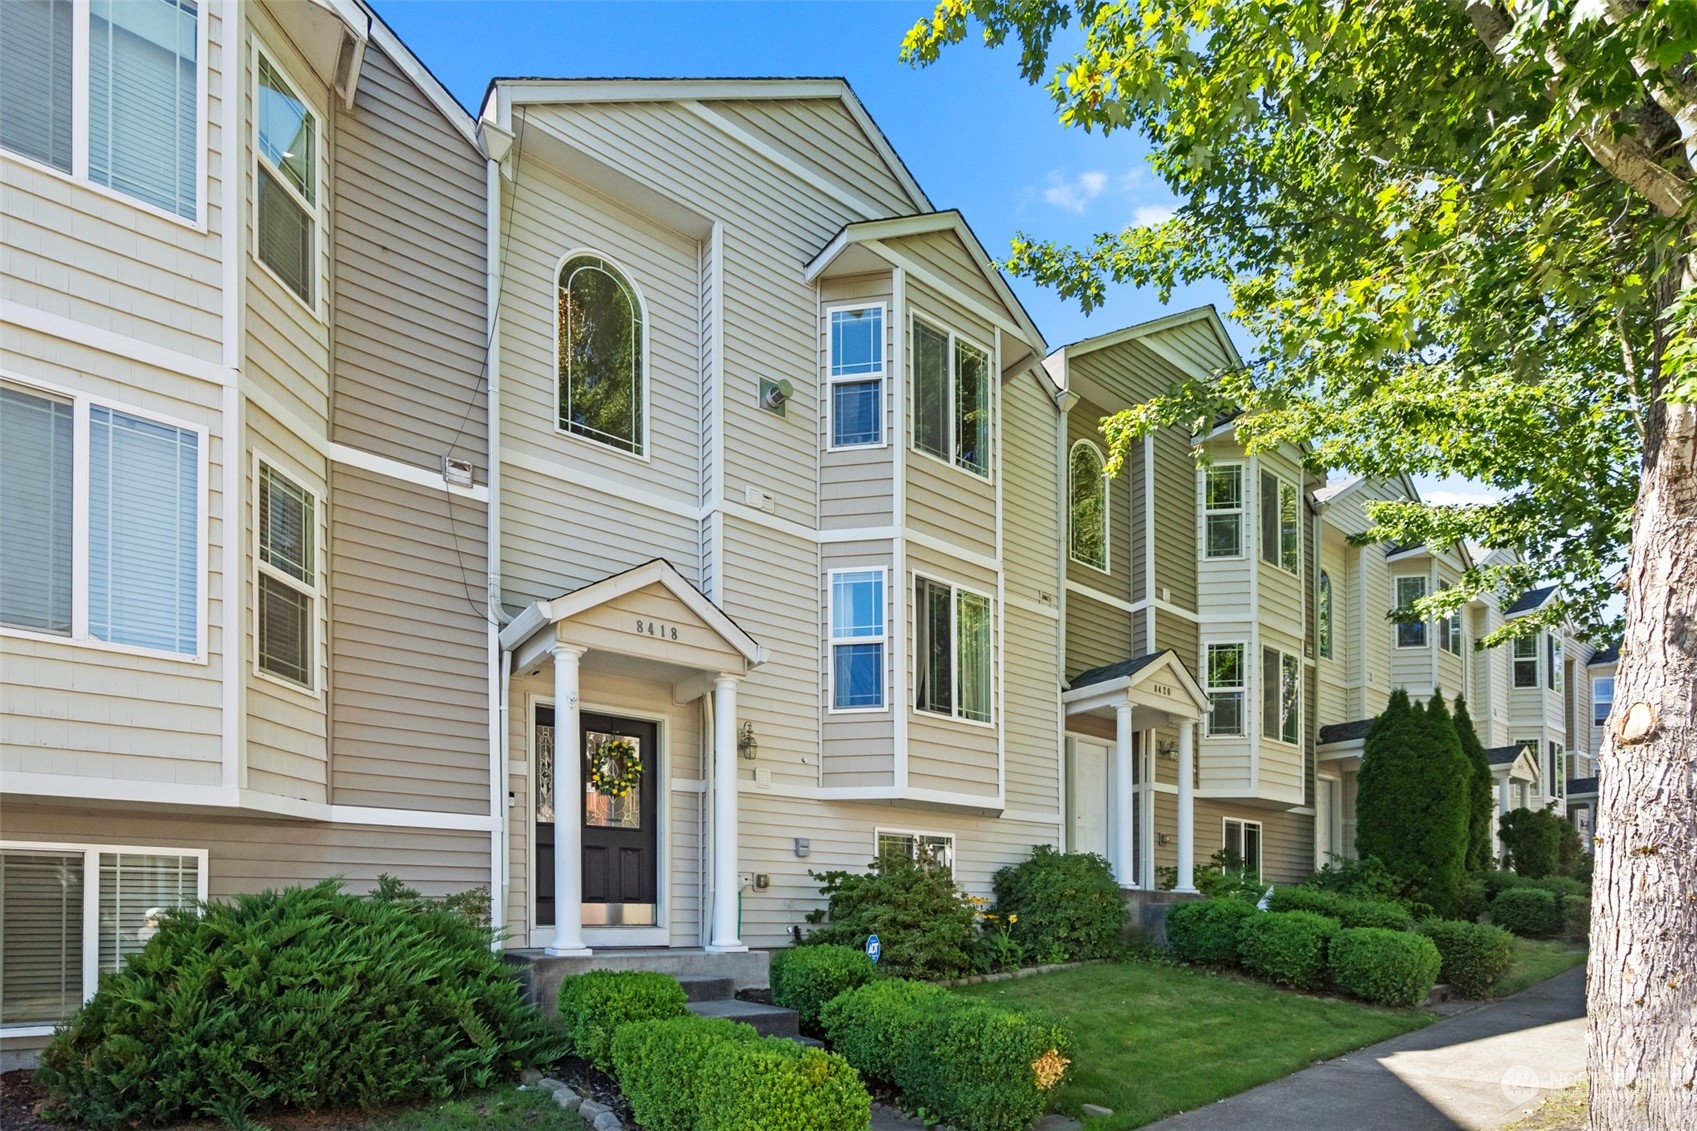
x=119 y=345
x=405 y=472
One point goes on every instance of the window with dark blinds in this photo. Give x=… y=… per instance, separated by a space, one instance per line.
x=36 y=502
x=142 y=100
x=41 y=933
x=35 y=80
x=287 y=591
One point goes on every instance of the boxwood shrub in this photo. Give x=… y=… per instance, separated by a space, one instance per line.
x=1347 y=910
x=772 y=1082
x=1531 y=912
x=1206 y=930
x=660 y=1063
x=1069 y=905
x=304 y=998
x=978 y=1067
x=1388 y=967
x=868 y=1025
x=804 y=978
x=1474 y=954
x=1288 y=947
x=595 y=1004
x=1565 y=888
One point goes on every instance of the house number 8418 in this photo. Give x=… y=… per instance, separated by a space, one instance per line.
x=655 y=628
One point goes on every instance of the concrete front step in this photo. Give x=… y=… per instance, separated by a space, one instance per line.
x=707 y=987
x=768 y=1020
x=540 y=974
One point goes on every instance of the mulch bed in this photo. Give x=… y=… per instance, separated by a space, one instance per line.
x=19 y=1101
x=588 y=1081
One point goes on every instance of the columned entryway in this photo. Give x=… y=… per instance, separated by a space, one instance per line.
x=605 y=799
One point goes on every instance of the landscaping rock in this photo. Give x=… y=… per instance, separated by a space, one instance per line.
x=549 y=1084
x=1096 y=1110
x=607 y=1121
x=530 y=1076
x=567 y=1098
x=589 y=1109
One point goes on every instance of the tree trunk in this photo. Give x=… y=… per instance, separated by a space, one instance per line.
x=1642 y=976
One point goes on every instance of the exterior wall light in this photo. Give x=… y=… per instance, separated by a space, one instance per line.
x=746 y=745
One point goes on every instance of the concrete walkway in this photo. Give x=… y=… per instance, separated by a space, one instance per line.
x=1476 y=1070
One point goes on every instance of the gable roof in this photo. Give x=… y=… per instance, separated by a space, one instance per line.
x=1344 y=732
x=1530 y=600
x=1607 y=655
x=1126 y=676
x=1118 y=670
x=1207 y=315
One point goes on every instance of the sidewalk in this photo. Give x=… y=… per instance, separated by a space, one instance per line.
x=1479 y=1069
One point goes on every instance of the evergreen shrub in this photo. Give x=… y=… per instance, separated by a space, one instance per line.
x=1069 y=905
x=1533 y=839
x=1388 y=967
x=1482 y=795
x=660 y=1063
x=926 y=926
x=1529 y=912
x=771 y=1082
x=593 y=1005
x=869 y=1024
x=1348 y=911
x=308 y=998
x=1500 y=880
x=1287 y=947
x=804 y=978
x=1206 y=930
x=1474 y=955
x=977 y=1067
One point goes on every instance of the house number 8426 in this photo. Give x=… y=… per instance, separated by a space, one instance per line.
x=655 y=628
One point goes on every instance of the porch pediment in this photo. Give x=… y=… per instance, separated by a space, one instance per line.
x=1157 y=681
x=649 y=618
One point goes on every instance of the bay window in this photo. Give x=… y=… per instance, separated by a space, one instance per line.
x=1222 y=507
x=951 y=399
x=857 y=640
x=1281 y=696
x=856 y=372
x=1226 y=678
x=952 y=651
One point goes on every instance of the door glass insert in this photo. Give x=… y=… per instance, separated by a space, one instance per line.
x=544 y=774
x=602 y=810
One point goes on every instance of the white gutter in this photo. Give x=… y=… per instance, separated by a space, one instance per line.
x=499 y=660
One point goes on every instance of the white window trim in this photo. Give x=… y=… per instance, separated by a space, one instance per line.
x=1326 y=612
x=1281 y=485
x=1452 y=624
x=1243 y=824
x=833 y=380
x=955 y=590
x=1242 y=689
x=1283 y=656
x=91 y=854
x=831 y=641
x=1553 y=677
x=1396 y=626
x=81 y=114
x=1597 y=702
x=991 y=393
x=1241 y=510
x=881 y=831
x=320 y=522
x=79 y=636
x=321 y=160
x=1536 y=657
x=645 y=455
x=1107 y=565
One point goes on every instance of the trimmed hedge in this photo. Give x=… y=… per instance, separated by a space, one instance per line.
x=772 y=1082
x=977 y=1067
x=804 y=978
x=1288 y=947
x=1347 y=910
x=867 y=1024
x=660 y=1064
x=1501 y=880
x=1564 y=888
x=1531 y=912
x=1069 y=905
x=305 y=998
x=1389 y=967
x=593 y=1006
x=1474 y=955
x=1206 y=930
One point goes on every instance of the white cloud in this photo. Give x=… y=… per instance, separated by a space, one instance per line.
x=1458 y=498
x=1075 y=194
x=1149 y=215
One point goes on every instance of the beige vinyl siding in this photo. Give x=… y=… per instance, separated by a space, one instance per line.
x=951 y=755
x=1097 y=634
x=1180 y=634
x=823 y=136
x=1222 y=584
x=857 y=485
x=1281 y=593
x=945 y=501
x=107 y=262
x=1336 y=673
x=1282 y=764
x=857 y=748
x=1125 y=514
x=946 y=256
x=1287 y=839
x=1032 y=710
x=1175 y=519
x=409 y=691
x=409 y=331
x=1411 y=668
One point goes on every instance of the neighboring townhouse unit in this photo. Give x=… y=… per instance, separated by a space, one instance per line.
x=776 y=511
x=243 y=639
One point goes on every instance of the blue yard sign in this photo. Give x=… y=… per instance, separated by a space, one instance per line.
x=874 y=948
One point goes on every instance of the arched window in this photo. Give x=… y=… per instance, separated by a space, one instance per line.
x=601 y=355
x=1323 y=606
x=1087 y=489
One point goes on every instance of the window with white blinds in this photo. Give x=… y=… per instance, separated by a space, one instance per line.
x=71 y=913
x=37 y=466
x=137 y=130
x=287 y=572
x=286 y=189
x=143 y=532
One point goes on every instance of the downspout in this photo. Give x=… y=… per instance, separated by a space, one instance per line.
x=1064 y=400
x=499 y=660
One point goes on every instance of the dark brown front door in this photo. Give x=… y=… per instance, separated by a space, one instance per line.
x=620 y=834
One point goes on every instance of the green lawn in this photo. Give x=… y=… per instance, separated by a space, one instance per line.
x=1152 y=1039
x=1537 y=959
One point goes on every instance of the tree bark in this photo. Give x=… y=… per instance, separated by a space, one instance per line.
x=1642 y=977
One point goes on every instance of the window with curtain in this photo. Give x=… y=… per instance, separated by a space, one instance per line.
x=857 y=640
x=1526 y=661
x=1227 y=676
x=1222 y=505
x=143 y=102
x=953 y=642
x=287 y=581
x=951 y=399
x=1323 y=614
x=143 y=532
x=601 y=355
x=1087 y=488
x=286 y=192
x=37 y=468
x=36 y=80
x=1410 y=634
x=857 y=376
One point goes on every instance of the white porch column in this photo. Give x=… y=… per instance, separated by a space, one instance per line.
x=1186 y=807
x=725 y=885
x=1125 y=801
x=568 y=805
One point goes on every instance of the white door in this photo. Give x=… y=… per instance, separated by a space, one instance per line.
x=1325 y=809
x=1088 y=792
